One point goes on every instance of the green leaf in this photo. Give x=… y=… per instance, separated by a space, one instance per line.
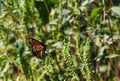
x=5 y=68
x=116 y=10
x=112 y=56
x=2 y=59
x=101 y=53
x=94 y=15
x=20 y=46
x=55 y=1
x=86 y=2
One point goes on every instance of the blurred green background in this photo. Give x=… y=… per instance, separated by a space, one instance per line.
x=82 y=38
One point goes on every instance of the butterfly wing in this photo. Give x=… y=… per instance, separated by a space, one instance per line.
x=38 y=48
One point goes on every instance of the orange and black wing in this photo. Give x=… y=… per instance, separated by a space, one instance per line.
x=38 y=48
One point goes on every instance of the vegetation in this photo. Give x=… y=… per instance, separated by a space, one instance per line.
x=82 y=38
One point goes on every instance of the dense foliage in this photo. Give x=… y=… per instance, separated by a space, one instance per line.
x=82 y=38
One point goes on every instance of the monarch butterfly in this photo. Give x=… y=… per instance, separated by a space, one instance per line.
x=38 y=48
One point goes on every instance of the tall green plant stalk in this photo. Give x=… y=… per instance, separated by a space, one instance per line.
x=87 y=61
x=66 y=53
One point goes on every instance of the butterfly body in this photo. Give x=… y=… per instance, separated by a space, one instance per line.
x=38 y=48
